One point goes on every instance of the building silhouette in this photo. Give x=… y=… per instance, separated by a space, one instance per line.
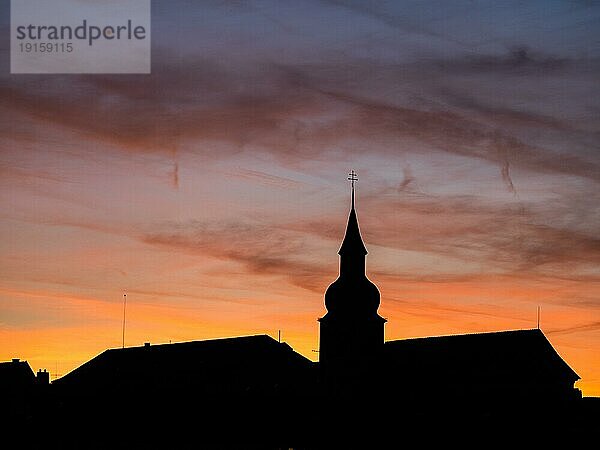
x=507 y=384
x=247 y=366
x=352 y=328
x=508 y=367
x=500 y=369
x=253 y=391
x=21 y=390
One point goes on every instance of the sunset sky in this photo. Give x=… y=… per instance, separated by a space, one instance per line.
x=213 y=191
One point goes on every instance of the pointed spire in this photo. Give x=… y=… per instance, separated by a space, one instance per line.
x=352 y=243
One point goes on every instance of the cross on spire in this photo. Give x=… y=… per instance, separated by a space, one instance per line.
x=352 y=177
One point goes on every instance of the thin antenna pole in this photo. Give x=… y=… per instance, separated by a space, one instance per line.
x=124 y=306
x=279 y=336
x=538 y=318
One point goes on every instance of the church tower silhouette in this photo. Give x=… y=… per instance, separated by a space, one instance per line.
x=352 y=330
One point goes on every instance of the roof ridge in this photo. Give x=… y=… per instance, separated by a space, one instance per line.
x=481 y=333
x=219 y=339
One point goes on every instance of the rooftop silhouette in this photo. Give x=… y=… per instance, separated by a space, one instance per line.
x=231 y=365
x=220 y=392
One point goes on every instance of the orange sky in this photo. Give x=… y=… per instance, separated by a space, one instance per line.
x=213 y=191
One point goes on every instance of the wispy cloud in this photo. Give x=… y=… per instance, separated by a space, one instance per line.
x=261 y=249
x=295 y=112
x=587 y=327
x=517 y=60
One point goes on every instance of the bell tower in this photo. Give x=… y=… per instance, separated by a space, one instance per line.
x=352 y=329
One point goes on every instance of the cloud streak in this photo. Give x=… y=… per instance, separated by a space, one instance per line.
x=293 y=112
x=584 y=328
x=259 y=248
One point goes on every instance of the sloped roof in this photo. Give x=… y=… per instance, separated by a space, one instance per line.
x=220 y=361
x=505 y=354
x=16 y=374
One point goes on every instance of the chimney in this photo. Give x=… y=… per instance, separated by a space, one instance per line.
x=146 y=344
x=43 y=377
x=15 y=360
